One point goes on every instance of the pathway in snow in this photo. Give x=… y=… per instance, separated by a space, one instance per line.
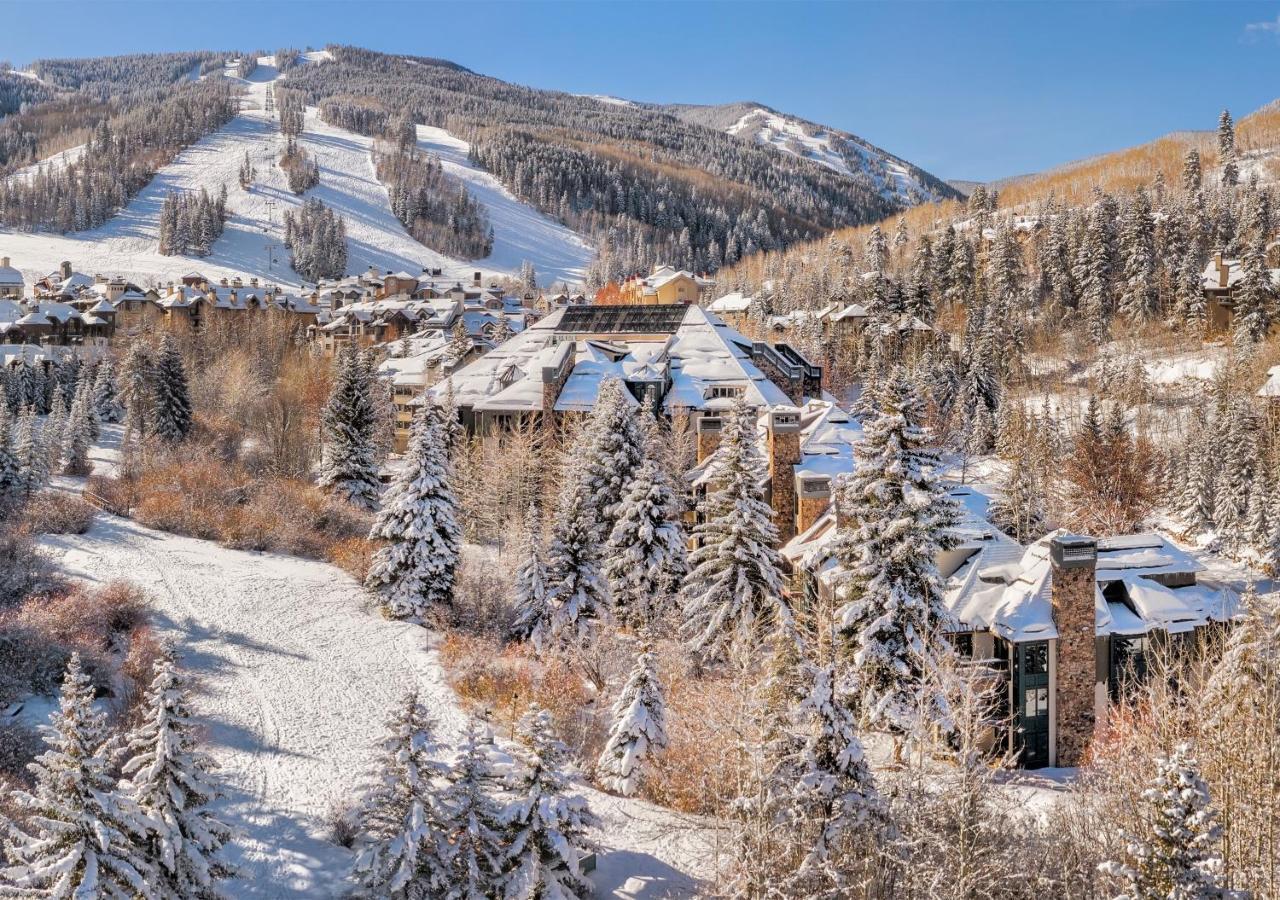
x=127 y=244
x=297 y=676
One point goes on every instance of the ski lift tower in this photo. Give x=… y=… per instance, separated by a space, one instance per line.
x=268 y=230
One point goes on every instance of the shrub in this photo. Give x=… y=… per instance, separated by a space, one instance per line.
x=344 y=823
x=23 y=570
x=57 y=512
x=353 y=556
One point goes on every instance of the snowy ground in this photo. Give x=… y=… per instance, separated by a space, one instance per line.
x=127 y=244
x=297 y=674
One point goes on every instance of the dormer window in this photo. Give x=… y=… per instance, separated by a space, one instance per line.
x=725 y=392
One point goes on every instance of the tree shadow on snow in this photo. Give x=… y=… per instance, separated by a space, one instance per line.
x=633 y=875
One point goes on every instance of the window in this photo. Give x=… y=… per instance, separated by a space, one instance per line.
x=1128 y=662
x=725 y=391
x=963 y=644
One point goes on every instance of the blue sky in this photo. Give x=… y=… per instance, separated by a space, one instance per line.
x=964 y=89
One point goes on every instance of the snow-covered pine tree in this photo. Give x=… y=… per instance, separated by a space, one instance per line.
x=171 y=406
x=1019 y=510
x=405 y=852
x=1227 y=149
x=545 y=827
x=84 y=838
x=85 y=386
x=415 y=572
x=533 y=620
x=1191 y=171
x=891 y=607
x=1176 y=854
x=613 y=447
x=33 y=461
x=1254 y=298
x=170 y=780
x=136 y=391
x=577 y=593
x=826 y=793
x=733 y=593
x=1138 y=298
x=472 y=821
x=12 y=480
x=639 y=729
x=347 y=464
x=106 y=402
x=645 y=559
x=77 y=436
x=53 y=432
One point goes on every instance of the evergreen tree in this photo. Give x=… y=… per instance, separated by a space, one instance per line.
x=415 y=573
x=639 y=729
x=1019 y=510
x=1176 y=854
x=1227 y=149
x=733 y=594
x=406 y=851
x=1191 y=171
x=533 y=613
x=137 y=392
x=577 y=594
x=613 y=448
x=545 y=828
x=106 y=400
x=33 y=464
x=892 y=610
x=828 y=795
x=77 y=435
x=12 y=478
x=1254 y=298
x=53 y=432
x=645 y=559
x=171 y=782
x=171 y=406
x=1138 y=297
x=472 y=822
x=85 y=837
x=347 y=465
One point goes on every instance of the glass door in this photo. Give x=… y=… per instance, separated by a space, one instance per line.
x=1031 y=703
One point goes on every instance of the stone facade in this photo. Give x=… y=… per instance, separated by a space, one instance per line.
x=1074 y=585
x=784 y=454
x=811 y=506
x=709 y=431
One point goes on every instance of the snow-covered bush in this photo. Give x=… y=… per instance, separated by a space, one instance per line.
x=56 y=512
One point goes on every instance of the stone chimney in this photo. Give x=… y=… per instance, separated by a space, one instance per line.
x=784 y=454
x=476 y=279
x=1074 y=561
x=65 y=268
x=554 y=377
x=4 y=262
x=1224 y=270
x=710 y=429
x=815 y=497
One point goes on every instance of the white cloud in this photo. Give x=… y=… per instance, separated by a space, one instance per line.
x=1255 y=30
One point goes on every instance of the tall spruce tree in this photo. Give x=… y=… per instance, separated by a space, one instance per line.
x=106 y=399
x=577 y=593
x=645 y=559
x=472 y=821
x=639 y=729
x=85 y=836
x=171 y=404
x=891 y=608
x=1176 y=853
x=613 y=448
x=545 y=826
x=416 y=571
x=405 y=852
x=347 y=462
x=533 y=621
x=733 y=593
x=171 y=781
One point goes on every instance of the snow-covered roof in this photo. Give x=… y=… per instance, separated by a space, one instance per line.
x=1271 y=387
x=10 y=277
x=701 y=353
x=735 y=302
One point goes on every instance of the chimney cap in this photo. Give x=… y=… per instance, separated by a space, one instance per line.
x=1073 y=551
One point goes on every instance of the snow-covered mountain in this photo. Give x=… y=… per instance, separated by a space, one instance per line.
x=252 y=242
x=894 y=178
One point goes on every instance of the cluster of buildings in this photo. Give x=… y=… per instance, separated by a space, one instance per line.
x=1059 y=625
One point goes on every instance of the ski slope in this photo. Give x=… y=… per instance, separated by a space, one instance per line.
x=252 y=242
x=839 y=152
x=520 y=232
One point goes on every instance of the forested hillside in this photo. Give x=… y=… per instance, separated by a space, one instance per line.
x=646 y=185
